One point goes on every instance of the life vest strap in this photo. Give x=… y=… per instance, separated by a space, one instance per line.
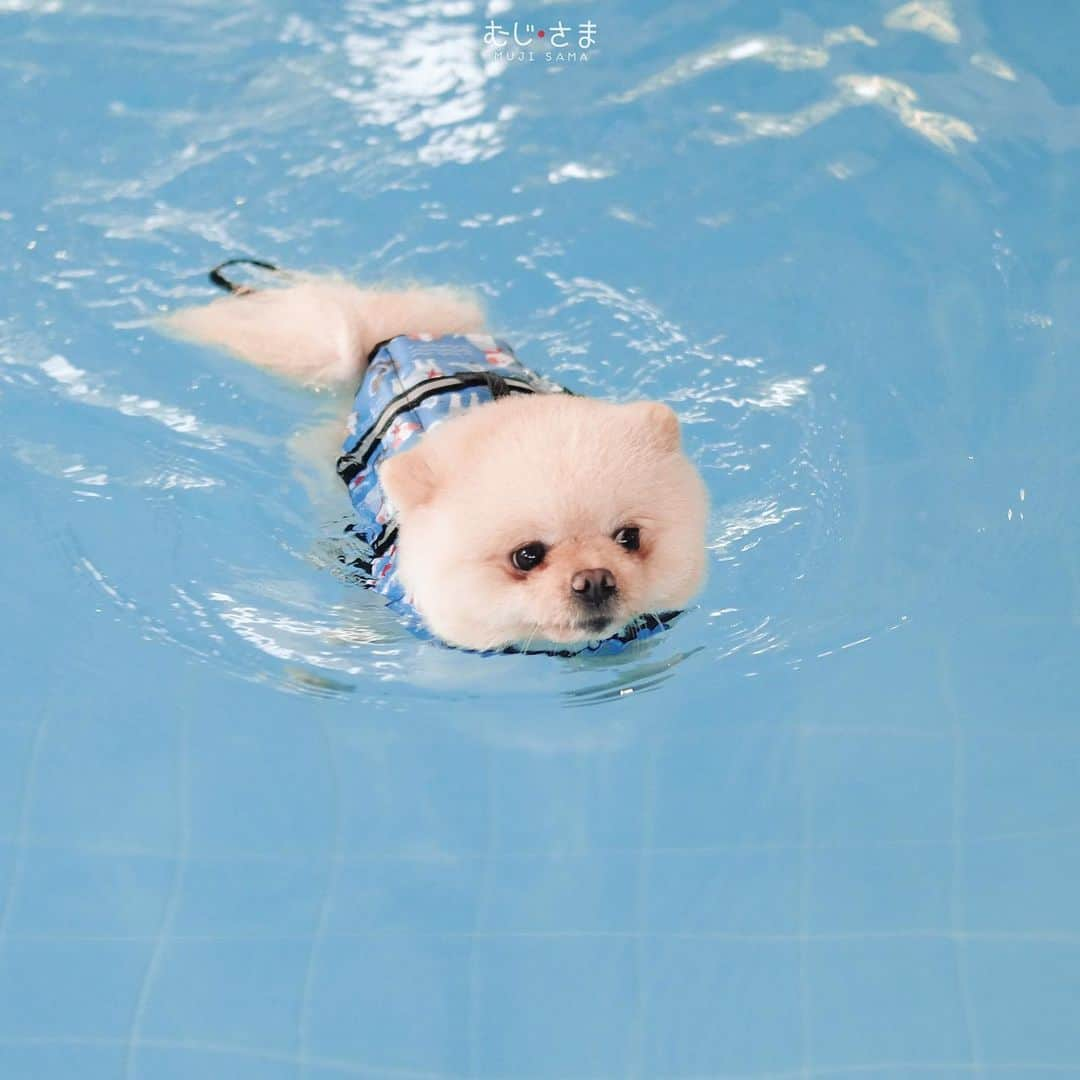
x=353 y=462
x=222 y=282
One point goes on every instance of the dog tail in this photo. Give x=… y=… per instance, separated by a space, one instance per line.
x=319 y=330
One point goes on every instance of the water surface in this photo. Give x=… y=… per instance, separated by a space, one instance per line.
x=825 y=827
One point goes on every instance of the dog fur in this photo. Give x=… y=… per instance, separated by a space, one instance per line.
x=565 y=471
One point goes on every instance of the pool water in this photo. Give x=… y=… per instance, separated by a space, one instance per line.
x=827 y=826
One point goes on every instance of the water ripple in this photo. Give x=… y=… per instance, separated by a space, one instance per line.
x=854 y=91
x=774 y=50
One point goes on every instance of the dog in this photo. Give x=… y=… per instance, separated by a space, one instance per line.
x=502 y=512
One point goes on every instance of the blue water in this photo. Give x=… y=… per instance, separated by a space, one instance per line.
x=827 y=827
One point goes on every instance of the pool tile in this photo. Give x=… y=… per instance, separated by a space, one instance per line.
x=71 y=894
x=107 y=780
x=240 y=776
x=717 y=1008
x=63 y=1057
x=870 y=789
x=1026 y=999
x=732 y=789
x=879 y=888
x=251 y=897
x=249 y=992
x=558 y=1005
x=885 y=1000
x=1021 y=783
x=70 y=989
x=725 y=892
x=1024 y=884
x=402 y=895
x=393 y=1001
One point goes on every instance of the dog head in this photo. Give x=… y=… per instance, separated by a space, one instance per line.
x=547 y=518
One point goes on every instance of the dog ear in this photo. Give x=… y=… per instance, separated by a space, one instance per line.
x=408 y=479
x=659 y=424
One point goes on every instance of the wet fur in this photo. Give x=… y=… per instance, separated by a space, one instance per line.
x=567 y=471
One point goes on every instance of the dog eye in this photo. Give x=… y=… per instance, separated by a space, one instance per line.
x=628 y=537
x=528 y=557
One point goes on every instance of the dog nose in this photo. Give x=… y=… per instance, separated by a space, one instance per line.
x=593 y=587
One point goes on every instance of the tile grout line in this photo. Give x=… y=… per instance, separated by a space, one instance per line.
x=168 y=917
x=22 y=842
x=483 y=909
x=805 y=851
x=333 y=876
x=641 y=917
x=958 y=874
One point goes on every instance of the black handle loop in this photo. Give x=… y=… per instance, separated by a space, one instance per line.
x=222 y=282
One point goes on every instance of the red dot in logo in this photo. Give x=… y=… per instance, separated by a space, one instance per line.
x=539 y=33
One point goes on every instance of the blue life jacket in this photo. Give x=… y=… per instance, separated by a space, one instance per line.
x=412 y=384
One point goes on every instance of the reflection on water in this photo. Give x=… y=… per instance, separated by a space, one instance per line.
x=931 y=17
x=74 y=382
x=777 y=52
x=852 y=91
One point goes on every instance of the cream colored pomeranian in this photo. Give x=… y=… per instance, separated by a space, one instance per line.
x=500 y=511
